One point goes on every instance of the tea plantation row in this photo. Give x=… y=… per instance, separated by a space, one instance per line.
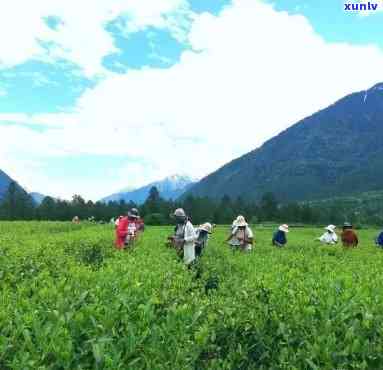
x=69 y=300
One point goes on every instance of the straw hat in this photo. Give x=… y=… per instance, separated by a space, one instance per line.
x=179 y=213
x=206 y=227
x=284 y=228
x=240 y=221
x=235 y=221
x=330 y=228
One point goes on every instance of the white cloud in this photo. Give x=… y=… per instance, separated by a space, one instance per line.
x=256 y=72
x=82 y=38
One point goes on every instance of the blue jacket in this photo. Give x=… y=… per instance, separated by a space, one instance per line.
x=280 y=237
x=379 y=240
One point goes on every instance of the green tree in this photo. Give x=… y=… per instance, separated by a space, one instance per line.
x=269 y=207
x=78 y=206
x=224 y=212
x=47 y=209
x=17 y=204
x=156 y=219
x=153 y=203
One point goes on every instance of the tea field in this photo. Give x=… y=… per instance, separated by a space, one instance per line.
x=69 y=300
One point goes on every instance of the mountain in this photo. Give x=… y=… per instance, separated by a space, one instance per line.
x=335 y=152
x=5 y=180
x=171 y=187
x=37 y=197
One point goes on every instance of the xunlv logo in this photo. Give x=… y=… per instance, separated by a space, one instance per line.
x=359 y=7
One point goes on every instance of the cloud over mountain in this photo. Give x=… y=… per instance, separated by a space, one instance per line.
x=249 y=72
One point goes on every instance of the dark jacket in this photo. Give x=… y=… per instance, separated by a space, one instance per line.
x=379 y=240
x=201 y=242
x=279 y=238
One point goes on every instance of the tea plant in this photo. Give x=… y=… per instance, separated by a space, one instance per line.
x=69 y=300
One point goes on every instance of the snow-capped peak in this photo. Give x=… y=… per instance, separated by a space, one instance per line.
x=170 y=187
x=179 y=178
x=378 y=86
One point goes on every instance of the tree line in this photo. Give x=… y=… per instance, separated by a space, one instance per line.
x=18 y=205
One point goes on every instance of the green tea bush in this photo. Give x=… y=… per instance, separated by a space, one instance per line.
x=69 y=300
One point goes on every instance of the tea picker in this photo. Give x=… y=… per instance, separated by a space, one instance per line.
x=184 y=237
x=279 y=238
x=379 y=240
x=202 y=233
x=241 y=236
x=349 y=237
x=133 y=227
x=329 y=237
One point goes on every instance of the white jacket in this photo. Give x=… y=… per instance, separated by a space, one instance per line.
x=329 y=238
x=190 y=237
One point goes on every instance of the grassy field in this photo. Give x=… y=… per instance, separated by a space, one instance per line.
x=68 y=300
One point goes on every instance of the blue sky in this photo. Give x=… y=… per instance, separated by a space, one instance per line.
x=140 y=90
x=41 y=87
x=334 y=24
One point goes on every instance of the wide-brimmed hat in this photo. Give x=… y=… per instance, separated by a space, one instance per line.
x=284 y=228
x=347 y=225
x=133 y=213
x=240 y=221
x=179 y=212
x=330 y=228
x=238 y=218
x=206 y=227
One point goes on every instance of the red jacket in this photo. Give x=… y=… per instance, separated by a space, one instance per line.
x=122 y=228
x=121 y=232
x=349 y=238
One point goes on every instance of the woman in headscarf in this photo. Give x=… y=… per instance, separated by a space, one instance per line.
x=241 y=236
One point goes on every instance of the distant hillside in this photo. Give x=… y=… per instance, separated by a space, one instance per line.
x=170 y=188
x=335 y=152
x=37 y=197
x=362 y=207
x=370 y=198
x=5 y=180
